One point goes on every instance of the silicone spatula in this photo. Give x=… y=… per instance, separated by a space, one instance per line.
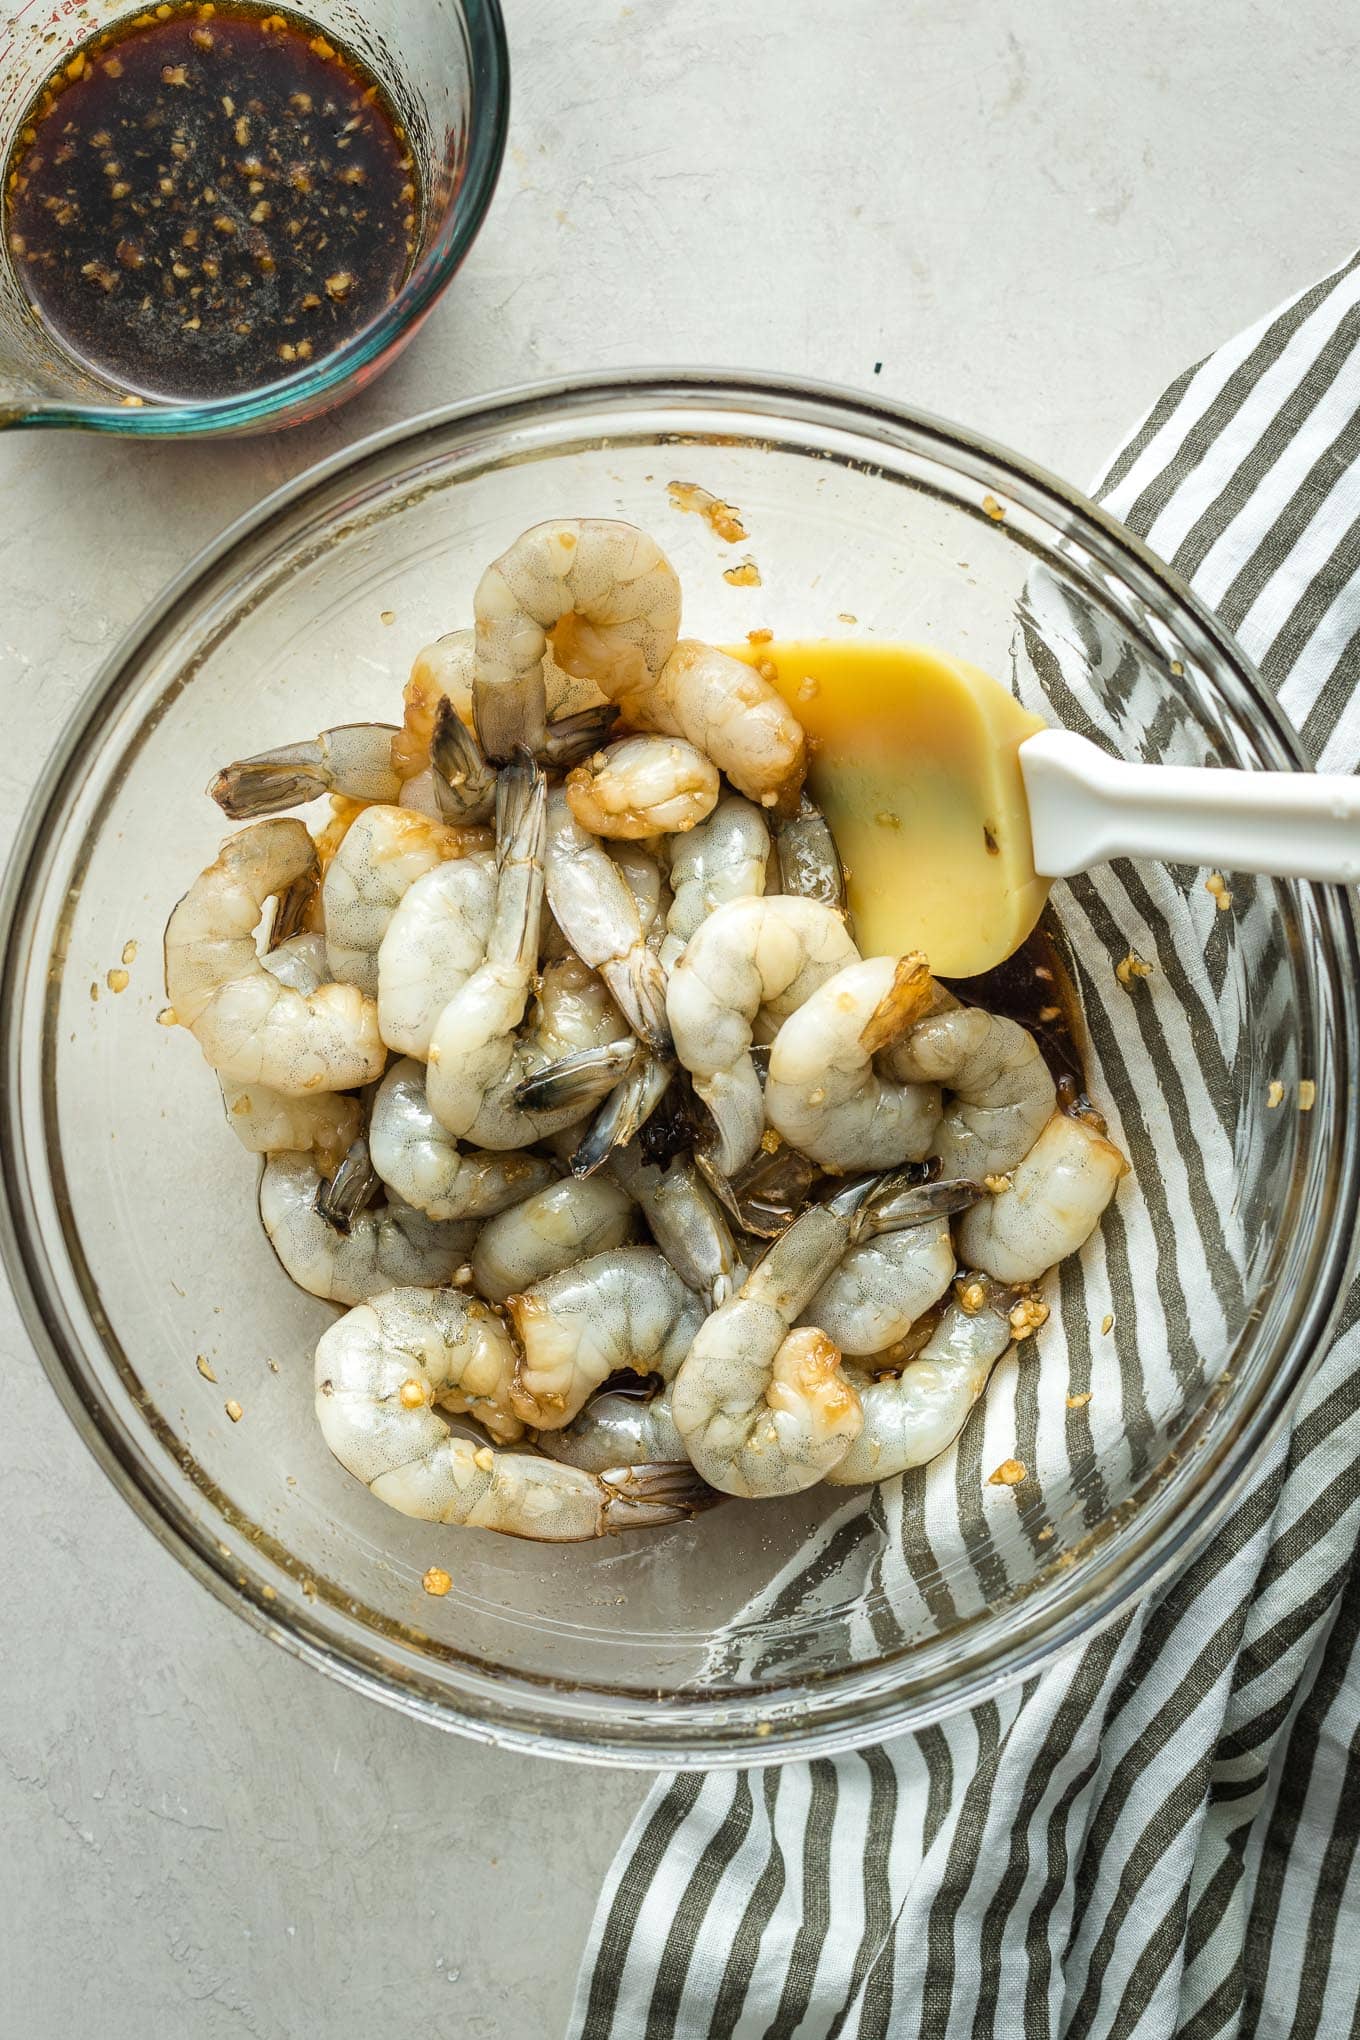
x=954 y=808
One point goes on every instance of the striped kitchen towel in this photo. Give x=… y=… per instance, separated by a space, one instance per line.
x=1157 y=1836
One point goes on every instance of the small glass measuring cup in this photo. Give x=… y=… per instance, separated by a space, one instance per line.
x=445 y=67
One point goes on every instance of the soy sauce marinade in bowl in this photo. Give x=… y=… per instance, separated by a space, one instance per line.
x=204 y=197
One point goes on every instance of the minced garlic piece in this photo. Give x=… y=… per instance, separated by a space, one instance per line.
x=1009 y=1474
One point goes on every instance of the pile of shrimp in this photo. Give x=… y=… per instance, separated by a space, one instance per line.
x=636 y=1183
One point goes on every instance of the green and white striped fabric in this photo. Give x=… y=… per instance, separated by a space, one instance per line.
x=1157 y=1836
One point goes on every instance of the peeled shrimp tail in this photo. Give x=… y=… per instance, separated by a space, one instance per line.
x=581 y=1079
x=686 y=1221
x=573 y=737
x=809 y=862
x=350 y=1189
x=521 y=811
x=464 y=783
x=627 y=1108
x=354 y=759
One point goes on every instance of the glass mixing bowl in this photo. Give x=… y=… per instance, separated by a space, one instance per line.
x=753 y=1632
x=446 y=69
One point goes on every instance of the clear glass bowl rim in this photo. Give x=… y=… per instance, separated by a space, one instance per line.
x=862 y=1703
x=328 y=381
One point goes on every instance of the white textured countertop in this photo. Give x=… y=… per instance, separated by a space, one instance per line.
x=1032 y=216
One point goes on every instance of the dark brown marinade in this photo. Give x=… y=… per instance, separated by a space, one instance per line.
x=208 y=198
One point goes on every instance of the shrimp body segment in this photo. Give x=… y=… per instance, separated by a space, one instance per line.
x=825 y=1093
x=1056 y=1197
x=605 y=593
x=556 y=1227
x=252 y=1027
x=643 y=786
x=881 y=1286
x=386 y=1246
x=596 y=909
x=268 y=1123
x=419 y=1159
x=730 y=713
x=724 y=858
x=753 y=959
x=386 y=1368
x=911 y=1417
x=1003 y=1092
x=764 y=1409
x=622 y=1310
x=384 y=851
x=324 y=1123
x=436 y=938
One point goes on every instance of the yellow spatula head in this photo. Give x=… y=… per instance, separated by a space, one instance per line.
x=915 y=765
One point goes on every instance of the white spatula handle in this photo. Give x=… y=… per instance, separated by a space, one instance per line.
x=1086 y=807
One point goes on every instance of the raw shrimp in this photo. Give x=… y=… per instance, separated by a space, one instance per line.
x=253 y=1028
x=354 y=759
x=436 y=938
x=824 y=1093
x=385 y=1246
x=729 y=713
x=477 y=1059
x=882 y=1285
x=724 y=858
x=643 y=786
x=416 y=1157
x=1053 y=1205
x=608 y=596
x=623 y=1309
x=685 y=1220
x=751 y=959
x=266 y=1122
x=445 y=670
x=384 y=1369
x=911 y=1417
x=1003 y=1093
x=559 y=1225
x=385 y=850
x=596 y=910
x=618 y=1429
x=765 y=1409
x=381 y=1371
x=448 y=1479
x=809 y=862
